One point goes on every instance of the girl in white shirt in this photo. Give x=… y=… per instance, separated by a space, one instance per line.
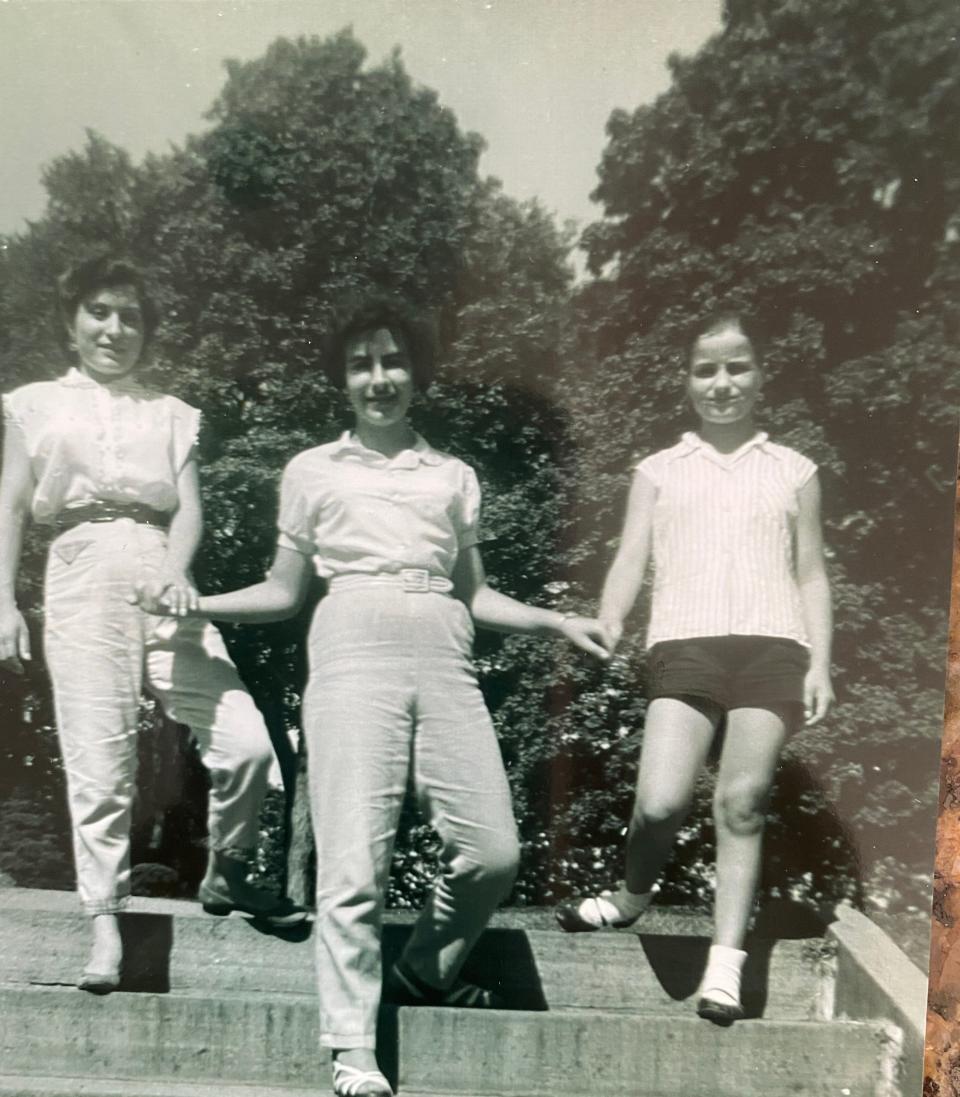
x=391 y=524
x=109 y=466
x=739 y=633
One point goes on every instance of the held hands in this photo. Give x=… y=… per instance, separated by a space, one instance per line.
x=817 y=695
x=588 y=634
x=14 y=641
x=614 y=631
x=169 y=595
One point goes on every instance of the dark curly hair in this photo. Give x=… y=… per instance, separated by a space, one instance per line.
x=415 y=330
x=753 y=328
x=104 y=271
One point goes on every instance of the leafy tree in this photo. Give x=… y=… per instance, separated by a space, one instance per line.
x=804 y=165
x=318 y=177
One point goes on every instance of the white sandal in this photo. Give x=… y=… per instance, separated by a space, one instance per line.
x=349 y=1081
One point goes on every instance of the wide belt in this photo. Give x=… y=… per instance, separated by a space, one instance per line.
x=111 y=512
x=411 y=580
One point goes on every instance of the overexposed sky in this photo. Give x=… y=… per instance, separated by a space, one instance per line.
x=536 y=78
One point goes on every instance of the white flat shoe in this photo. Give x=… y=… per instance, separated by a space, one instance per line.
x=350 y=1081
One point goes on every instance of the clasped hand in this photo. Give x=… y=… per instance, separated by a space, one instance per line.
x=14 y=641
x=588 y=634
x=165 y=596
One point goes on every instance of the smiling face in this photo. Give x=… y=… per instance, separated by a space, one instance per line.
x=379 y=378
x=725 y=378
x=108 y=332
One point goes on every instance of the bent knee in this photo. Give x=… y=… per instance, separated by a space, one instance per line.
x=741 y=808
x=496 y=864
x=502 y=859
x=651 y=811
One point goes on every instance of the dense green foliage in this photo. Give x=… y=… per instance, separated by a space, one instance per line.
x=802 y=163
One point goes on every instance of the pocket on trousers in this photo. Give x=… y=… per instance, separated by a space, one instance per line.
x=68 y=551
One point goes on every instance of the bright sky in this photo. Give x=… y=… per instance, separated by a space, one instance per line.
x=536 y=78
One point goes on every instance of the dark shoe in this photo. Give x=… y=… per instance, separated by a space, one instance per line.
x=98 y=982
x=588 y=917
x=258 y=904
x=720 y=1013
x=404 y=988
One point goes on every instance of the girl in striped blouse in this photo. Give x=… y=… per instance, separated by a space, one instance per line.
x=739 y=634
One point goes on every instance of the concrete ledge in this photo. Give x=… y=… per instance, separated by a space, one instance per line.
x=876 y=980
x=24 y=1086
x=47 y=1086
x=457 y=1052
x=170 y=949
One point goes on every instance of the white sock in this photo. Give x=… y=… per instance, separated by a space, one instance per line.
x=617 y=906
x=721 y=980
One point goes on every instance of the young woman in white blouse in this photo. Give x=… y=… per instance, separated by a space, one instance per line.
x=391 y=524
x=739 y=634
x=109 y=467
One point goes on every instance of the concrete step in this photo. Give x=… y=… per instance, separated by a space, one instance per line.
x=24 y=1086
x=254 y=1040
x=172 y=946
x=46 y=1086
x=618 y=1055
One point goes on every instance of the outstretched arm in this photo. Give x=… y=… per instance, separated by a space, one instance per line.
x=493 y=610
x=278 y=597
x=622 y=585
x=16 y=491
x=815 y=599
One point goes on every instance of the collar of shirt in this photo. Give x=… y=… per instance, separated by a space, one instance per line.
x=421 y=452
x=693 y=443
x=73 y=378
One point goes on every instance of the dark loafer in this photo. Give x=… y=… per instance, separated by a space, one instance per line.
x=272 y=911
x=403 y=988
x=98 y=982
x=720 y=1013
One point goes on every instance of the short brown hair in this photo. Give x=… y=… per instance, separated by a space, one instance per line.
x=105 y=271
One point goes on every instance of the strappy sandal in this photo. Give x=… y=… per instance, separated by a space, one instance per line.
x=350 y=1081
x=404 y=988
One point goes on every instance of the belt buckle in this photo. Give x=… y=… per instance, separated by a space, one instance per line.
x=415 y=580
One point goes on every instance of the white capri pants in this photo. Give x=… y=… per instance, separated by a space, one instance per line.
x=99 y=650
x=393 y=692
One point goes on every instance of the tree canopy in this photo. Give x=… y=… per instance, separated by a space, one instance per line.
x=802 y=165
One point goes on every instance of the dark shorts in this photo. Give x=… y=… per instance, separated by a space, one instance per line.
x=730 y=671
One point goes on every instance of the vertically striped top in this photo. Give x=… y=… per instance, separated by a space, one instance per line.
x=724 y=540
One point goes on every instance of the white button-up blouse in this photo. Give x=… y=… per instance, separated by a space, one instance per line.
x=118 y=442
x=356 y=511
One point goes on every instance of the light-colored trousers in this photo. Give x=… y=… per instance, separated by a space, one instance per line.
x=393 y=694
x=99 y=650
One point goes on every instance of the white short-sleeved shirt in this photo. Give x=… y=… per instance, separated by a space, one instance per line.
x=724 y=531
x=117 y=442
x=356 y=511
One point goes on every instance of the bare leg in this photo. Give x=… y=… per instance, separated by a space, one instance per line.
x=676 y=741
x=748 y=765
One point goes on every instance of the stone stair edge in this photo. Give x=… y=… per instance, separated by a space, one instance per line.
x=53 y=911
x=13 y=1085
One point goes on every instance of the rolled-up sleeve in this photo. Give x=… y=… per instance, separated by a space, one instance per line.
x=468 y=518
x=186 y=431
x=295 y=520
x=11 y=420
